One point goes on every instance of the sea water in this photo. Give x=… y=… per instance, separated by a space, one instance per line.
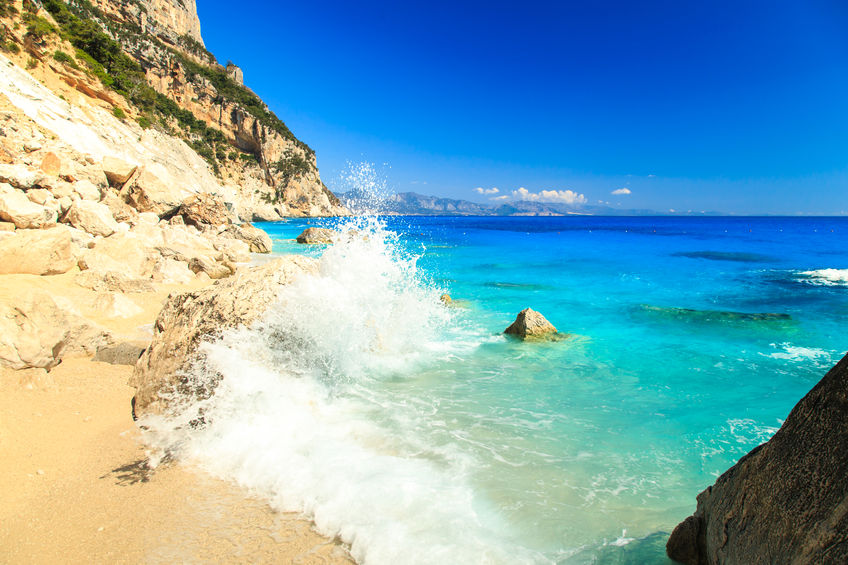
x=419 y=433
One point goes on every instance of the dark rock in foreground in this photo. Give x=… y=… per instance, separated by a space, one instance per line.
x=530 y=324
x=316 y=236
x=787 y=500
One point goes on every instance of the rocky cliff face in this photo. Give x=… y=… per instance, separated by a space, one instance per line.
x=787 y=500
x=169 y=20
x=163 y=78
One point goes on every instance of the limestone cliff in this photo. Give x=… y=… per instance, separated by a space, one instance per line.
x=169 y=20
x=146 y=60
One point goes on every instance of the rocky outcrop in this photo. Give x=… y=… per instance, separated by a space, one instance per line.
x=787 y=500
x=35 y=331
x=188 y=319
x=257 y=240
x=15 y=207
x=117 y=171
x=148 y=193
x=313 y=236
x=92 y=217
x=38 y=252
x=530 y=324
x=205 y=209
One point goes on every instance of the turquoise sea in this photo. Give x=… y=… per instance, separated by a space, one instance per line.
x=420 y=434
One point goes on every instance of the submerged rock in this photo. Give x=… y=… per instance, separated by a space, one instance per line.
x=715 y=316
x=530 y=324
x=316 y=236
x=786 y=500
x=188 y=319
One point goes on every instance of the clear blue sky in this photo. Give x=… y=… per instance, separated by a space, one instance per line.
x=733 y=106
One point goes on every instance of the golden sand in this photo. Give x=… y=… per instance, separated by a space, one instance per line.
x=74 y=487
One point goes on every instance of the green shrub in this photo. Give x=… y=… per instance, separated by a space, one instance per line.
x=7 y=9
x=233 y=155
x=37 y=27
x=32 y=63
x=66 y=59
x=144 y=122
x=119 y=113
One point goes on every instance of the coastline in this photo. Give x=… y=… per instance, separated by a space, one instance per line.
x=75 y=489
x=73 y=484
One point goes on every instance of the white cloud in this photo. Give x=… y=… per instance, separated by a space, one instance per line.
x=553 y=196
x=502 y=197
x=480 y=190
x=621 y=192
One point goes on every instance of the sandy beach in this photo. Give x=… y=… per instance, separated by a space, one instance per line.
x=74 y=487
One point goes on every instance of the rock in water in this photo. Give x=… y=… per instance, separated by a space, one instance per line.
x=530 y=324
x=188 y=319
x=787 y=500
x=316 y=235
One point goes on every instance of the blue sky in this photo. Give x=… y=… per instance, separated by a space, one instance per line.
x=739 y=107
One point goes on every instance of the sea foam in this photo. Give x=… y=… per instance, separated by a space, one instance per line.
x=302 y=418
x=826 y=277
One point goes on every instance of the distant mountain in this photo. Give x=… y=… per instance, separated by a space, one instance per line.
x=414 y=204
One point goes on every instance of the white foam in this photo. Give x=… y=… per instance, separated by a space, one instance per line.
x=302 y=415
x=789 y=352
x=826 y=277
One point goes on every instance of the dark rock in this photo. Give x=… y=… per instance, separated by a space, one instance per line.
x=316 y=236
x=530 y=324
x=126 y=353
x=787 y=500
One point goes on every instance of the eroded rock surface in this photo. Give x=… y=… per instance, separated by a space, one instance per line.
x=787 y=500
x=530 y=324
x=316 y=236
x=190 y=318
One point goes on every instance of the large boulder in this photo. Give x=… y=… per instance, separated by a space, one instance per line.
x=35 y=331
x=117 y=171
x=215 y=269
x=38 y=252
x=92 y=217
x=787 y=500
x=316 y=236
x=149 y=194
x=205 y=209
x=15 y=207
x=19 y=176
x=188 y=319
x=257 y=239
x=530 y=324
x=127 y=254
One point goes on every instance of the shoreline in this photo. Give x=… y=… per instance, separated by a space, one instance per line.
x=74 y=487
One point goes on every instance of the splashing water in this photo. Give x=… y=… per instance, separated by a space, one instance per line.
x=366 y=188
x=301 y=417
